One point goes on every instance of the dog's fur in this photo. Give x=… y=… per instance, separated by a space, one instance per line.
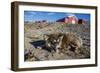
x=70 y=41
x=60 y=41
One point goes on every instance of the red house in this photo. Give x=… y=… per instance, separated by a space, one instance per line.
x=70 y=20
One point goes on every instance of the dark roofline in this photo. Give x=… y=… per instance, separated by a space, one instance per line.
x=62 y=19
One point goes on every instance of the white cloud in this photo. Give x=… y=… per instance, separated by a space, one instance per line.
x=32 y=12
x=71 y=14
x=51 y=13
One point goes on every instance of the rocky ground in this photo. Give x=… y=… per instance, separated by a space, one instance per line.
x=35 y=34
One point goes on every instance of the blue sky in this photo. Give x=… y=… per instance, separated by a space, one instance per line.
x=51 y=16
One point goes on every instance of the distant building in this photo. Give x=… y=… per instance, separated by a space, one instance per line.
x=69 y=20
x=81 y=21
x=37 y=21
x=42 y=21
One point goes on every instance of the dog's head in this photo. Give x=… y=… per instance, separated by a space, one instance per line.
x=53 y=40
